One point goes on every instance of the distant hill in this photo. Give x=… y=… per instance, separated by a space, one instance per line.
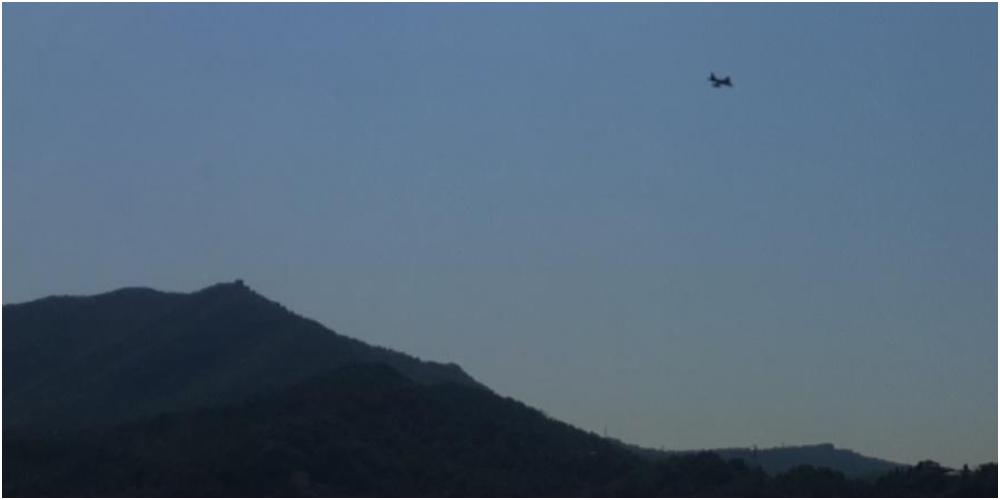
x=780 y=460
x=785 y=458
x=72 y=362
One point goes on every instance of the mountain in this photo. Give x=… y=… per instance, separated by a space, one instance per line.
x=223 y=392
x=74 y=362
x=366 y=430
x=361 y=430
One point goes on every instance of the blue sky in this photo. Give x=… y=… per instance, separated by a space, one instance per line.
x=551 y=196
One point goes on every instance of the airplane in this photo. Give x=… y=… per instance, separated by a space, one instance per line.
x=719 y=82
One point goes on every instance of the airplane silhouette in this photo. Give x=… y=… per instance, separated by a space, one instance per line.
x=719 y=82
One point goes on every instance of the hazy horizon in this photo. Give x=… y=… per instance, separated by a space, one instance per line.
x=551 y=196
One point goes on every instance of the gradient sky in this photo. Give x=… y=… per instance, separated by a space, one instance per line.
x=551 y=196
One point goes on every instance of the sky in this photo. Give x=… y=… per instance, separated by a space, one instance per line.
x=552 y=196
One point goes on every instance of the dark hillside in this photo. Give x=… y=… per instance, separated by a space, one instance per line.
x=365 y=430
x=362 y=430
x=72 y=362
x=223 y=392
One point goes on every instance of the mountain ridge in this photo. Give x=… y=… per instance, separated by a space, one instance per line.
x=367 y=430
x=359 y=430
x=81 y=372
x=77 y=361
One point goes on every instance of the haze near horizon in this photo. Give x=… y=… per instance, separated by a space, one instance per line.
x=552 y=196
